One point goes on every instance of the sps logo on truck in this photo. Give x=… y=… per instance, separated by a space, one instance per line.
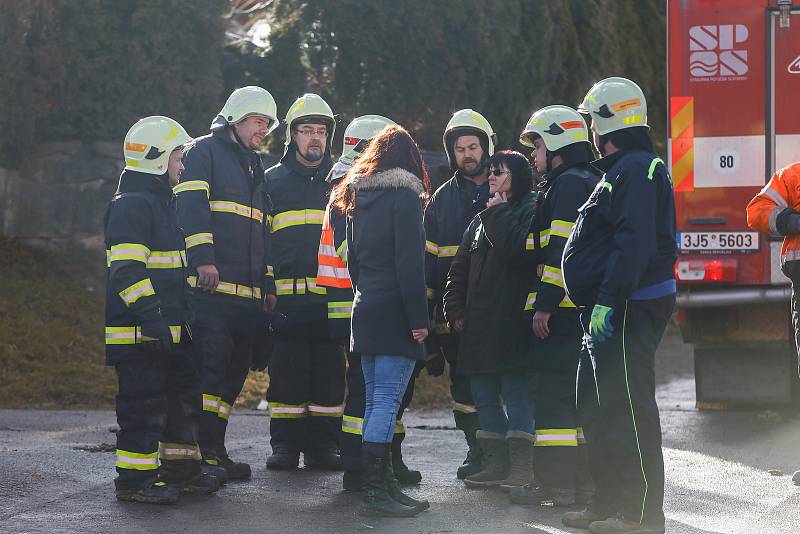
x=717 y=52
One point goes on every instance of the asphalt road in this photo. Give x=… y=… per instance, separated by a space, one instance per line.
x=56 y=476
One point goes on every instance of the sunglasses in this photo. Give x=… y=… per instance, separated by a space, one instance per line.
x=498 y=172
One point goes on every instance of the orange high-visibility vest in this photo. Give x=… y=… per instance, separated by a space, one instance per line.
x=332 y=270
x=782 y=191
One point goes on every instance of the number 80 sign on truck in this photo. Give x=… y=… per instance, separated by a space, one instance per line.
x=734 y=118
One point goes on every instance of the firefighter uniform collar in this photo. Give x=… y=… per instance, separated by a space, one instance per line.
x=132 y=181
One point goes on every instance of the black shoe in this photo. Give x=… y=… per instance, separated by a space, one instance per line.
x=472 y=464
x=393 y=488
x=283 y=459
x=404 y=475
x=155 y=493
x=215 y=471
x=352 y=481
x=200 y=484
x=328 y=460
x=377 y=502
x=234 y=470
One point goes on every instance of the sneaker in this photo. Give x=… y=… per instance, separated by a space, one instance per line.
x=328 y=460
x=619 y=525
x=155 y=493
x=283 y=459
x=582 y=519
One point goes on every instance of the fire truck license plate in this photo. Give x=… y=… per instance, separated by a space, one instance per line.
x=718 y=241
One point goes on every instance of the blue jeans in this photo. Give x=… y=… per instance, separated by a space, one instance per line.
x=490 y=391
x=385 y=380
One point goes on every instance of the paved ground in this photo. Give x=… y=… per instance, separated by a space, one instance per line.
x=716 y=463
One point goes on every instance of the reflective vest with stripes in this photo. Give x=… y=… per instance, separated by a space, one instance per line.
x=146 y=263
x=221 y=210
x=781 y=192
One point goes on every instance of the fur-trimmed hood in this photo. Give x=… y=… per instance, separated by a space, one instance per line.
x=396 y=178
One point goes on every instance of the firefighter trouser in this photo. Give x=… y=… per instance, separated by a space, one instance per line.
x=353 y=419
x=223 y=336
x=559 y=453
x=464 y=411
x=157 y=412
x=796 y=322
x=305 y=394
x=618 y=411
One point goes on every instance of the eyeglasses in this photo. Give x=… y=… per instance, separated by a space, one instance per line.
x=309 y=132
x=498 y=172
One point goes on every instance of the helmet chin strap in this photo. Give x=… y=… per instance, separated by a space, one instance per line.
x=239 y=139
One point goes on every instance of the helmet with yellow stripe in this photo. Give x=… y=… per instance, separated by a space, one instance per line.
x=558 y=126
x=615 y=104
x=468 y=121
x=247 y=101
x=359 y=132
x=149 y=143
x=308 y=108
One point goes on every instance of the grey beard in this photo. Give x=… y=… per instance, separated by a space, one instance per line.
x=313 y=154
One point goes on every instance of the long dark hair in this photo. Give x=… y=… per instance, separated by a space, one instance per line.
x=521 y=171
x=392 y=148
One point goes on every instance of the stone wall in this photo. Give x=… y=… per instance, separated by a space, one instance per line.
x=58 y=199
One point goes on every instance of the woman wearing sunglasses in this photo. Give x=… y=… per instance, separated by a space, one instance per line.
x=484 y=301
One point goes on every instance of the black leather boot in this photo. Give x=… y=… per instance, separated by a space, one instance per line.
x=377 y=501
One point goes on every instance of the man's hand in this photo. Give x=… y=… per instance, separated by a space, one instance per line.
x=419 y=334
x=600 y=325
x=541 y=329
x=498 y=198
x=207 y=277
x=270 y=301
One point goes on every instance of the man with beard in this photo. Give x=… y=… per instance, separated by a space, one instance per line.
x=468 y=142
x=307 y=368
x=220 y=208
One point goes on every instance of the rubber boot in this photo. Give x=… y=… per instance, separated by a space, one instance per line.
x=377 y=502
x=404 y=475
x=393 y=487
x=154 y=493
x=618 y=525
x=473 y=462
x=520 y=459
x=283 y=458
x=533 y=495
x=494 y=451
x=582 y=519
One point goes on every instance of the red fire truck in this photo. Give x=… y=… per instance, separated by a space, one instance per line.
x=734 y=114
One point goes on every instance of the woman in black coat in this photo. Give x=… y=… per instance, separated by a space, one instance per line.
x=383 y=196
x=484 y=300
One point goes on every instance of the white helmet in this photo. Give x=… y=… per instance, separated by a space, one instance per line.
x=558 y=126
x=615 y=104
x=359 y=132
x=149 y=143
x=310 y=106
x=248 y=101
x=468 y=119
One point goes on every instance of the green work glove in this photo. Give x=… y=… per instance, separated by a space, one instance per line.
x=600 y=326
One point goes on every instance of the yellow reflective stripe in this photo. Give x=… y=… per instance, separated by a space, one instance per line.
x=270 y=271
x=286 y=219
x=290 y=286
x=202 y=238
x=127 y=251
x=431 y=248
x=581 y=437
x=448 y=252
x=142 y=288
x=531 y=300
x=229 y=288
x=226 y=206
x=224 y=410
x=340 y=310
x=352 y=425
x=556 y=437
x=430 y=292
x=136 y=460
x=279 y=410
x=284 y=286
x=464 y=408
x=311 y=284
x=566 y=303
x=192 y=185
x=342 y=251
x=605 y=185
x=561 y=228
x=400 y=427
x=544 y=238
x=529 y=244
x=551 y=275
x=211 y=403
x=178 y=451
x=130 y=335
x=166 y=259
x=441 y=328
x=315 y=410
